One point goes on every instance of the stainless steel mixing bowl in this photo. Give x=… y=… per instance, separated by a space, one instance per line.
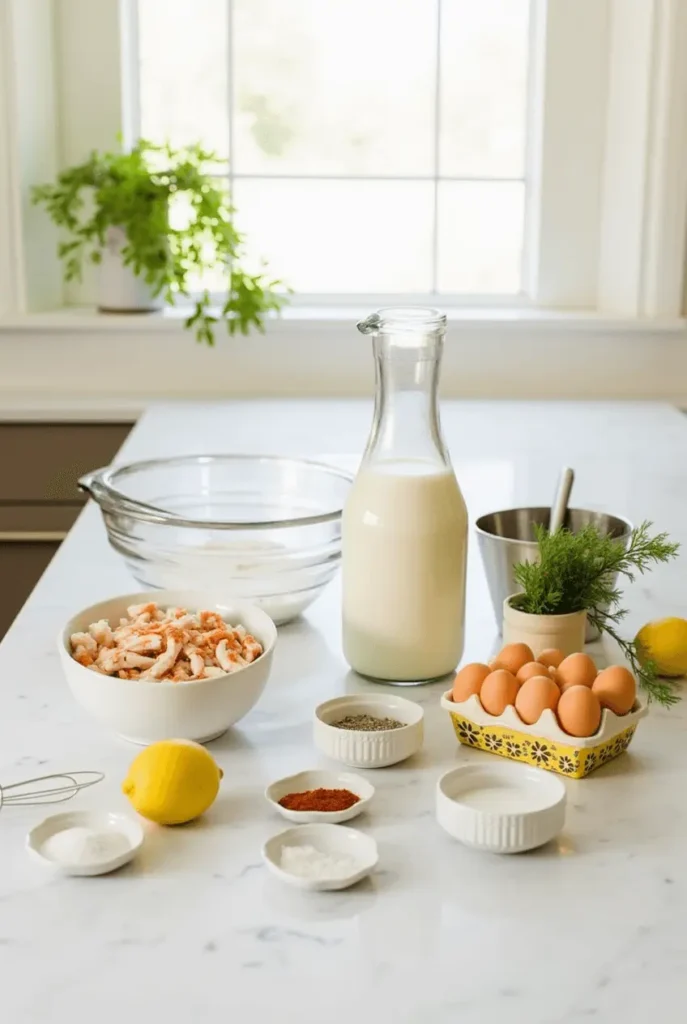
x=258 y=528
x=507 y=537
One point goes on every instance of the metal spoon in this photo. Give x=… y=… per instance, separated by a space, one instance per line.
x=561 y=498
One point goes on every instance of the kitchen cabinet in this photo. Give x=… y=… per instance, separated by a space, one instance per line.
x=40 y=465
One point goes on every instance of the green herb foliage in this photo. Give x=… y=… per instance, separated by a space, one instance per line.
x=577 y=571
x=134 y=191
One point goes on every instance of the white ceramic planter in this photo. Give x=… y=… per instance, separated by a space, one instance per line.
x=120 y=290
x=566 y=632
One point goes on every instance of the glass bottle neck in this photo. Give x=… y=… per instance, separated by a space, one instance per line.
x=406 y=426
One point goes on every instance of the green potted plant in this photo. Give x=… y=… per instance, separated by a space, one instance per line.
x=574 y=581
x=155 y=220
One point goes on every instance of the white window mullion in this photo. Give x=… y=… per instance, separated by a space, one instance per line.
x=91 y=52
x=231 y=171
x=12 y=298
x=567 y=152
x=130 y=85
x=645 y=176
x=89 y=56
x=28 y=156
x=665 y=215
x=535 y=64
x=626 y=157
x=436 y=154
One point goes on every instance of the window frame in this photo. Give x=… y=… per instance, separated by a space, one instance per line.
x=591 y=246
x=132 y=120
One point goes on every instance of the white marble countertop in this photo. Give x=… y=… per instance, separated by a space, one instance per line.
x=591 y=927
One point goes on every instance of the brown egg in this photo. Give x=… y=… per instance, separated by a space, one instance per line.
x=576 y=670
x=512 y=657
x=616 y=689
x=469 y=680
x=551 y=657
x=579 y=711
x=498 y=691
x=532 y=668
x=534 y=696
x=553 y=672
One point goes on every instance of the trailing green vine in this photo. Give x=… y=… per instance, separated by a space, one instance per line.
x=577 y=571
x=134 y=191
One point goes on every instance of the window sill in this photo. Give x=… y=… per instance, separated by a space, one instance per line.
x=80 y=364
x=315 y=318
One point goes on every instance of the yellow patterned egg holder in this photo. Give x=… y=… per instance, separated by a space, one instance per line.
x=543 y=745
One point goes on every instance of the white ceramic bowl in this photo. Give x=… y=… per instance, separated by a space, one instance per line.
x=369 y=749
x=99 y=821
x=501 y=808
x=363 y=789
x=334 y=840
x=144 y=712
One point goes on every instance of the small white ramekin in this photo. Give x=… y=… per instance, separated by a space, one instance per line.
x=369 y=749
x=501 y=808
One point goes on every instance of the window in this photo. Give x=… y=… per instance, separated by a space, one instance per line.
x=371 y=146
x=494 y=152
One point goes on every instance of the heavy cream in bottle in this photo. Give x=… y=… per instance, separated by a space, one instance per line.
x=405 y=520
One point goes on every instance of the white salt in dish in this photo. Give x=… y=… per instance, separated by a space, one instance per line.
x=320 y=857
x=85 y=843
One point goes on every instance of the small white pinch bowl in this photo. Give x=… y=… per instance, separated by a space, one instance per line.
x=144 y=711
x=500 y=808
x=329 y=839
x=100 y=821
x=363 y=789
x=369 y=749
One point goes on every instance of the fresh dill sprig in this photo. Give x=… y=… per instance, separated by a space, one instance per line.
x=660 y=690
x=577 y=571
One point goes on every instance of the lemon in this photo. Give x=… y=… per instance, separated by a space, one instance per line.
x=665 y=642
x=172 y=782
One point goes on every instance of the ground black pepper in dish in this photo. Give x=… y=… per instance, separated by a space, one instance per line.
x=368 y=723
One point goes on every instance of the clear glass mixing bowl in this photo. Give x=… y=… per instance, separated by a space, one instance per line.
x=260 y=528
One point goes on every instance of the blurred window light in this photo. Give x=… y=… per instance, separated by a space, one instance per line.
x=371 y=146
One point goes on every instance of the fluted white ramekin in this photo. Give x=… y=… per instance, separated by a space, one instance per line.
x=369 y=749
x=501 y=808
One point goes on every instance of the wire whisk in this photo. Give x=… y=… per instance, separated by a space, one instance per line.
x=64 y=787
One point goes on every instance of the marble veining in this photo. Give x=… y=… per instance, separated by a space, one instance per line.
x=590 y=927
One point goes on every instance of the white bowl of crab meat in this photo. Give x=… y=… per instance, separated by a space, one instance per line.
x=168 y=664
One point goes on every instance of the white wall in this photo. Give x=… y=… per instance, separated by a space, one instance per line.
x=142 y=359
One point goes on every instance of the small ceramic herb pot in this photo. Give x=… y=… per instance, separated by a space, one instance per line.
x=565 y=632
x=120 y=289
